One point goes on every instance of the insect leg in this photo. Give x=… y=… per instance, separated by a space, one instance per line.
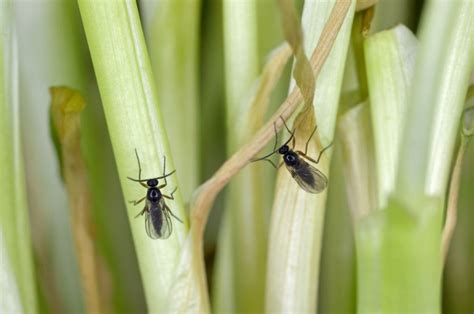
x=309 y=139
x=137 y=202
x=311 y=159
x=169 y=211
x=144 y=210
x=271 y=162
x=321 y=152
x=170 y=197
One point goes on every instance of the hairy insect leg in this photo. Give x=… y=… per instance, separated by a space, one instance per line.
x=137 y=202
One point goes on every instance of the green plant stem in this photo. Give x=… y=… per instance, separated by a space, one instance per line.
x=130 y=103
x=173 y=40
x=17 y=270
x=399 y=247
x=297 y=217
x=436 y=98
x=241 y=55
x=356 y=138
x=390 y=59
x=337 y=286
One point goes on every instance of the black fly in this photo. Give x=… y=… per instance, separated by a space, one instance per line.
x=158 y=223
x=308 y=177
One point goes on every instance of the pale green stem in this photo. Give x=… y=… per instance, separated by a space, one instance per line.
x=173 y=39
x=356 y=138
x=444 y=63
x=407 y=280
x=130 y=103
x=337 y=285
x=297 y=217
x=17 y=268
x=390 y=59
x=245 y=201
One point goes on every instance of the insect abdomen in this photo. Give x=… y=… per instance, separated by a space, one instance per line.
x=156 y=217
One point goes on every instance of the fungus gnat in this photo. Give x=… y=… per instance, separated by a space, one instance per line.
x=308 y=177
x=158 y=224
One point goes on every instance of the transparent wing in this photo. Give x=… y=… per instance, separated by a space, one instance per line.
x=150 y=230
x=157 y=221
x=308 y=177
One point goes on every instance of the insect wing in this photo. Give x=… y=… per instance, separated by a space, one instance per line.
x=308 y=177
x=157 y=221
x=149 y=228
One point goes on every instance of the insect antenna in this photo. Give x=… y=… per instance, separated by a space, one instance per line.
x=157 y=178
x=140 y=171
x=275 y=149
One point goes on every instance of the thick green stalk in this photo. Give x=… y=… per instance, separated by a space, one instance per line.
x=356 y=138
x=244 y=199
x=59 y=55
x=408 y=279
x=337 y=287
x=173 y=39
x=436 y=98
x=297 y=217
x=17 y=272
x=390 y=60
x=130 y=103
x=389 y=67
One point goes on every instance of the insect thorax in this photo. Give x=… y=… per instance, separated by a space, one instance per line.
x=153 y=194
x=291 y=158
